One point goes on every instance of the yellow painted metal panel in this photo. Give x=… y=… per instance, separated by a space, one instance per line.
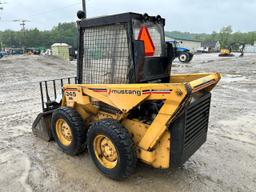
x=152 y=141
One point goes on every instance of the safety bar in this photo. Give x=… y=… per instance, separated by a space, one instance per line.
x=49 y=91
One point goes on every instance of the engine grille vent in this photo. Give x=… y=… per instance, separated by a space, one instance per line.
x=197 y=116
x=189 y=131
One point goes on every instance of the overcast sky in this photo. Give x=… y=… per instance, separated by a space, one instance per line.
x=183 y=15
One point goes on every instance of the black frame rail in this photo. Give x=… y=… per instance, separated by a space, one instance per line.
x=49 y=91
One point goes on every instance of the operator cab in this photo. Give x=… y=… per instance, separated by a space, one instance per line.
x=124 y=48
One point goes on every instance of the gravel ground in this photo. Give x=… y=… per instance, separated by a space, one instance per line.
x=226 y=162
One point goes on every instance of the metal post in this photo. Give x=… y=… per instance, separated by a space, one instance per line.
x=84 y=7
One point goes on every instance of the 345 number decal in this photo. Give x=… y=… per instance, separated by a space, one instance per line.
x=70 y=94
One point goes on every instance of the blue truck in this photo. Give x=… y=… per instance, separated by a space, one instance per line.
x=183 y=54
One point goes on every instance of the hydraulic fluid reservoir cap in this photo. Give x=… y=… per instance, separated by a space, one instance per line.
x=144 y=36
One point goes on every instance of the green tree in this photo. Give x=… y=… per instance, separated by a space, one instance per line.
x=225 y=36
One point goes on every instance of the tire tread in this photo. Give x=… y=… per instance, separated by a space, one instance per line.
x=126 y=142
x=77 y=126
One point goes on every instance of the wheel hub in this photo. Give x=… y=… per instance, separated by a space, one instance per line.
x=183 y=58
x=105 y=151
x=63 y=132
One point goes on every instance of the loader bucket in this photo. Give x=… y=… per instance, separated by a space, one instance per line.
x=42 y=126
x=50 y=91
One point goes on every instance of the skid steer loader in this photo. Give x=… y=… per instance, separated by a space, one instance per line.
x=124 y=106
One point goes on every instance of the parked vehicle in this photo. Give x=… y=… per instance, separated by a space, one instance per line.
x=2 y=54
x=72 y=53
x=33 y=51
x=183 y=54
x=226 y=52
x=124 y=106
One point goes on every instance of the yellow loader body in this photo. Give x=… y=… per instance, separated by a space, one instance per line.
x=123 y=105
x=152 y=140
x=225 y=53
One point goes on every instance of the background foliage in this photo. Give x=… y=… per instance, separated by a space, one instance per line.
x=67 y=33
x=225 y=36
x=63 y=33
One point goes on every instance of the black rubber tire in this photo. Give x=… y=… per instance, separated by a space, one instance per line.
x=185 y=55
x=190 y=57
x=127 y=157
x=76 y=124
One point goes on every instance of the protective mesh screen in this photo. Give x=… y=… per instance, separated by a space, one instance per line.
x=106 y=55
